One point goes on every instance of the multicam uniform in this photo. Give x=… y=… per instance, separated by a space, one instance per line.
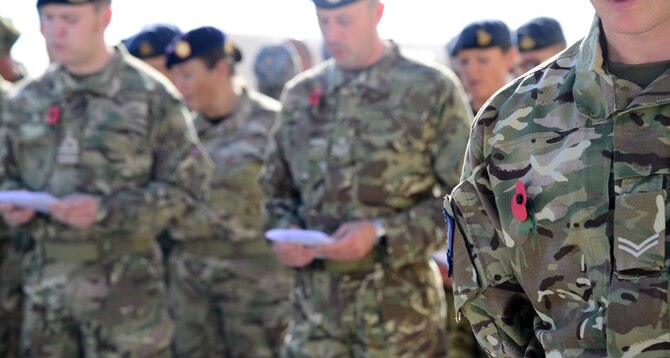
x=228 y=292
x=382 y=142
x=584 y=155
x=123 y=136
x=9 y=301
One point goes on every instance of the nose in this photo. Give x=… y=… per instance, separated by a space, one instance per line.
x=59 y=29
x=469 y=69
x=331 y=32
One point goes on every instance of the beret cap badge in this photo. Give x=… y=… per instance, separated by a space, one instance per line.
x=146 y=49
x=182 y=49
x=483 y=37
x=527 y=43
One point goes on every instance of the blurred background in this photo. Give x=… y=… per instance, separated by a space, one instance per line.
x=422 y=26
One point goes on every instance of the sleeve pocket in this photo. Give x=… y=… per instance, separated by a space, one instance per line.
x=639 y=234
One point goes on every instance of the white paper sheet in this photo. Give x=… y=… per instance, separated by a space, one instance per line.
x=39 y=201
x=296 y=236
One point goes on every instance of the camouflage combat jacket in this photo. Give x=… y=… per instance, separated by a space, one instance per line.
x=582 y=268
x=122 y=135
x=382 y=142
x=236 y=146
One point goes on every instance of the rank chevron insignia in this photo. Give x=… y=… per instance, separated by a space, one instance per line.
x=637 y=250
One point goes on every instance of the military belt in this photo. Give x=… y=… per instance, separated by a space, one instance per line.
x=367 y=263
x=226 y=249
x=93 y=250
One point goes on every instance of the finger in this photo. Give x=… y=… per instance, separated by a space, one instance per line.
x=82 y=202
x=7 y=206
x=18 y=217
x=329 y=250
x=23 y=211
x=285 y=250
x=58 y=207
x=81 y=211
x=342 y=232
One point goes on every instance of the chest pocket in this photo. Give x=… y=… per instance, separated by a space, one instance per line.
x=233 y=156
x=562 y=172
x=640 y=280
x=641 y=171
x=36 y=147
x=393 y=163
x=306 y=146
x=116 y=142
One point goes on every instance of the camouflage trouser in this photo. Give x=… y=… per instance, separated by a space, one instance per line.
x=9 y=302
x=228 y=307
x=111 y=308
x=11 y=296
x=378 y=313
x=461 y=342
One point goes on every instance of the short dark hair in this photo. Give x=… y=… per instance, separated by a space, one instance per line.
x=229 y=53
x=99 y=3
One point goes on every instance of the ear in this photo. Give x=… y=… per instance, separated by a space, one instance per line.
x=511 y=58
x=379 y=12
x=106 y=16
x=222 y=69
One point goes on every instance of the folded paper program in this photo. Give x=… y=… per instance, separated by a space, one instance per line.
x=297 y=236
x=39 y=201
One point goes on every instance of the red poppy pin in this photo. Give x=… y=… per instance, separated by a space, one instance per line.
x=519 y=202
x=315 y=97
x=53 y=116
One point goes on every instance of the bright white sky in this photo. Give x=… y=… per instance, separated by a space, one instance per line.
x=429 y=22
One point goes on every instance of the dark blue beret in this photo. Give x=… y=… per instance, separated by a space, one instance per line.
x=193 y=44
x=483 y=34
x=331 y=4
x=65 y=2
x=539 y=33
x=152 y=41
x=275 y=65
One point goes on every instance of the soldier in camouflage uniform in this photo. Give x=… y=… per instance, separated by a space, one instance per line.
x=7 y=309
x=113 y=142
x=563 y=204
x=275 y=65
x=537 y=41
x=228 y=292
x=12 y=246
x=366 y=143
x=485 y=59
x=150 y=45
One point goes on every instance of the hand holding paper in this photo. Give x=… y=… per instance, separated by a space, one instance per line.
x=40 y=201
x=295 y=247
x=77 y=210
x=18 y=207
x=16 y=216
x=299 y=236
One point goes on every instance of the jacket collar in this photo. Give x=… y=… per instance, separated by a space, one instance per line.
x=598 y=94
